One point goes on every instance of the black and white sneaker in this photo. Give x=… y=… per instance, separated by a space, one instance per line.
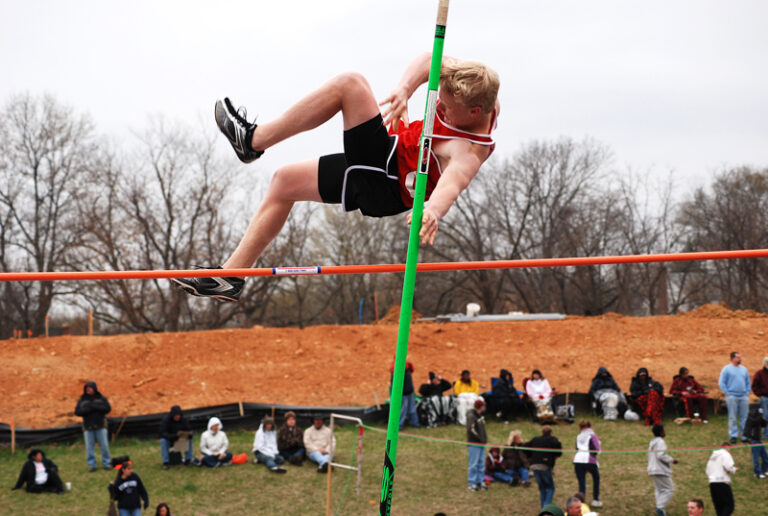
x=238 y=130
x=224 y=289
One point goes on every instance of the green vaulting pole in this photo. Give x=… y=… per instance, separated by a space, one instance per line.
x=396 y=397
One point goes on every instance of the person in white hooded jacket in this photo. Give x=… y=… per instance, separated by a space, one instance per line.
x=720 y=467
x=214 y=444
x=265 y=446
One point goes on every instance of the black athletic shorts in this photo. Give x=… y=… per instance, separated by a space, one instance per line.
x=364 y=177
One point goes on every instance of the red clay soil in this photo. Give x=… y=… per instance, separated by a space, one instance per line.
x=41 y=379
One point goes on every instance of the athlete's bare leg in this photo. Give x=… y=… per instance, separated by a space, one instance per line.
x=349 y=93
x=297 y=182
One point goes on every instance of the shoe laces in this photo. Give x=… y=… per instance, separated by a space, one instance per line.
x=242 y=114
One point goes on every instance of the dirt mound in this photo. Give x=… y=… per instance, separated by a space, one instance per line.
x=393 y=316
x=722 y=311
x=41 y=379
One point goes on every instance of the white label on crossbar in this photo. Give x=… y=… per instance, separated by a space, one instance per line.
x=429 y=117
x=292 y=271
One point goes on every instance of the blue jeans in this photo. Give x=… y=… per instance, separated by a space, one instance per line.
x=476 y=469
x=502 y=477
x=519 y=472
x=212 y=460
x=129 y=512
x=288 y=455
x=738 y=406
x=546 y=485
x=165 y=445
x=581 y=469
x=91 y=438
x=764 y=405
x=318 y=458
x=758 y=452
x=408 y=411
x=271 y=461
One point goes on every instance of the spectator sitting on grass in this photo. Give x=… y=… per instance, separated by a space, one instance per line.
x=265 y=446
x=214 y=445
x=515 y=460
x=575 y=506
x=40 y=474
x=551 y=509
x=494 y=468
x=172 y=427
x=318 y=441
x=290 y=440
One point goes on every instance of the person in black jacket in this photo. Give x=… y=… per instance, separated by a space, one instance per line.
x=543 y=462
x=605 y=391
x=504 y=399
x=435 y=387
x=93 y=408
x=172 y=426
x=648 y=395
x=40 y=474
x=408 y=407
x=753 y=430
x=128 y=491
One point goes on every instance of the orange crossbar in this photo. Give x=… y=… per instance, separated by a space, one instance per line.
x=383 y=268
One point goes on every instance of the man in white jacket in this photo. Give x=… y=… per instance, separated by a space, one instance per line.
x=214 y=444
x=720 y=467
x=265 y=446
x=660 y=470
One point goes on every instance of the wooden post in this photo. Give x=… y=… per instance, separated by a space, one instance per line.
x=330 y=472
x=273 y=412
x=47 y=323
x=90 y=323
x=13 y=437
x=240 y=406
x=375 y=307
x=114 y=436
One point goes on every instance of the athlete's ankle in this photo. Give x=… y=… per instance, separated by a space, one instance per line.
x=256 y=141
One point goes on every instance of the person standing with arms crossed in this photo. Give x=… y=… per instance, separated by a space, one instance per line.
x=734 y=382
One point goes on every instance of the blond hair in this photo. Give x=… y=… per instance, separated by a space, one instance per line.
x=512 y=435
x=473 y=83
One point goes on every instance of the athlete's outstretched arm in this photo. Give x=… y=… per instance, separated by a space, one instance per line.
x=416 y=74
x=454 y=179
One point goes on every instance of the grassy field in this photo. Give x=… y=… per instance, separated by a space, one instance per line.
x=430 y=477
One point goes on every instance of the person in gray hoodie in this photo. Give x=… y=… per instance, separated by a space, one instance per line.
x=660 y=470
x=476 y=437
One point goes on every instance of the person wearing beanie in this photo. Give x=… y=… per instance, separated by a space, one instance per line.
x=477 y=437
x=214 y=445
x=290 y=440
x=434 y=408
x=551 y=510
x=660 y=470
x=543 y=462
x=172 y=427
x=720 y=467
x=40 y=474
x=265 y=446
x=93 y=407
x=753 y=431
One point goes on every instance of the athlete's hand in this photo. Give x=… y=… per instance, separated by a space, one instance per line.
x=428 y=226
x=397 y=109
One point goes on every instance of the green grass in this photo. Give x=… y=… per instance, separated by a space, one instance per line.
x=430 y=477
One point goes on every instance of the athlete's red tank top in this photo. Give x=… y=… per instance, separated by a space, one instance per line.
x=408 y=153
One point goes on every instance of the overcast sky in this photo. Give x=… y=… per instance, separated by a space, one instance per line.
x=680 y=85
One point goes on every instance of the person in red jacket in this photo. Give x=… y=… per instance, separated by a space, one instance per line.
x=685 y=387
x=760 y=388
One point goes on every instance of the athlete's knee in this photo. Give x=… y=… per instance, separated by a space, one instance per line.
x=352 y=83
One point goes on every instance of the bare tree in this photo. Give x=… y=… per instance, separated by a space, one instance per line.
x=45 y=153
x=733 y=216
